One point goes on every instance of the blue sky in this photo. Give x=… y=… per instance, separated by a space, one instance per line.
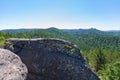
x=68 y=14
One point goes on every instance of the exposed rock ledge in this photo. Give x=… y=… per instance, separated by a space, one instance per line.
x=51 y=59
x=11 y=67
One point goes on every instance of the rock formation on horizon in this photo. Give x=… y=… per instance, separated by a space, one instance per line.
x=11 y=66
x=51 y=59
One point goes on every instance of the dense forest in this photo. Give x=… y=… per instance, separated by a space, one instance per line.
x=101 y=49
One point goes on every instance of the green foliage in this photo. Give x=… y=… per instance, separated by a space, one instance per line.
x=2 y=39
x=97 y=59
x=112 y=72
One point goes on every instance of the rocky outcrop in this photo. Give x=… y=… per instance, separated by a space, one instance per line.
x=11 y=66
x=51 y=59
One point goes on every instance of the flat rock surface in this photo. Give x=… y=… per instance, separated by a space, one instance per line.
x=51 y=59
x=11 y=66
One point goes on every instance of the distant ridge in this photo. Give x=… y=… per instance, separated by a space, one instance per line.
x=11 y=31
x=71 y=31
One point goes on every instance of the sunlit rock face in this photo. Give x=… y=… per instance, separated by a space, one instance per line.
x=51 y=59
x=11 y=66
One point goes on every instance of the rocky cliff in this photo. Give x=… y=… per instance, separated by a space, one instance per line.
x=11 y=67
x=51 y=59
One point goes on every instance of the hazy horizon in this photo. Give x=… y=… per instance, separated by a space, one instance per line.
x=57 y=28
x=63 y=14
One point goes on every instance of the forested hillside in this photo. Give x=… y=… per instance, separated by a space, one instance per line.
x=101 y=49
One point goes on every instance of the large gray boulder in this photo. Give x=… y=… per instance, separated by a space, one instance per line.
x=51 y=59
x=11 y=66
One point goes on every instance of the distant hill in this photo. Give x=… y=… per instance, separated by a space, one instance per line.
x=92 y=31
x=115 y=33
x=12 y=31
x=71 y=31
